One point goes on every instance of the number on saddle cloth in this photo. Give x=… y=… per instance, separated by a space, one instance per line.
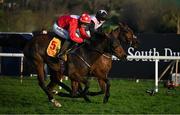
x=54 y=47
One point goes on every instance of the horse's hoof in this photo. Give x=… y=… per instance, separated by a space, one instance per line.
x=55 y=103
x=55 y=92
x=105 y=100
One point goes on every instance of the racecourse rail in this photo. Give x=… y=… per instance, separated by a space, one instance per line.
x=155 y=58
x=21 y=55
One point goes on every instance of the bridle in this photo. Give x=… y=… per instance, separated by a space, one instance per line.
x=122 y=36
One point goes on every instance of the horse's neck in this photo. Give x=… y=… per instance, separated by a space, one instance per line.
x=94 y=51
x=89 y=54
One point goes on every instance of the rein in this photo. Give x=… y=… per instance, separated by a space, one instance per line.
x=80 y=57
x=102 y=53
x=106 y=56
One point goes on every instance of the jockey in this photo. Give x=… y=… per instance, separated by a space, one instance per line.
x=97 y=21
x=68 y=26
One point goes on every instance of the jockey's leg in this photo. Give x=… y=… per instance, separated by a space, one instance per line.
x=63 y=50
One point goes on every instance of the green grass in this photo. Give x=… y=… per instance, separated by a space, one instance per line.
x=127 y=96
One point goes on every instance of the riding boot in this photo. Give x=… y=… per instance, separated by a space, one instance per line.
x=65 y=46
x=62 y=66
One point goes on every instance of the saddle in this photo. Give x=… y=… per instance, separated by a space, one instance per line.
x=53 y=49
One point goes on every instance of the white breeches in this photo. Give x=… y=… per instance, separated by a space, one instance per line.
x=60 y=31
x=64 y=33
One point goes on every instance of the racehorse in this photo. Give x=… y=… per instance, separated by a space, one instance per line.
x=125 y=35
x=35 y=53
x=101 y=67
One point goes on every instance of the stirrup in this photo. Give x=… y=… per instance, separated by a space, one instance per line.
x=62 y=57
x=59 y=55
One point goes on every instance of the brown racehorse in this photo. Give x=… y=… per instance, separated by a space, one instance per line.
x=101 y=67
x=125 y=34
x=35 y=53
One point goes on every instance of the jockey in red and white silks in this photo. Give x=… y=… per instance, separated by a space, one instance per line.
x=97 y=21
x=68 y=25
x=99 y=18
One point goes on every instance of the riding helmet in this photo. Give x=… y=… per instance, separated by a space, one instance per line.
x=85 y=18
x=101 y=15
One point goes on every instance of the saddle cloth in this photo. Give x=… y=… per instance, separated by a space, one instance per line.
x=54 y=47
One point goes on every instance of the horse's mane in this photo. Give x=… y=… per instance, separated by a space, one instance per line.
x=109 y=27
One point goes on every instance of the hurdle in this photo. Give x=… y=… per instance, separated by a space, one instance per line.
x=156 y=60
x=21 y=55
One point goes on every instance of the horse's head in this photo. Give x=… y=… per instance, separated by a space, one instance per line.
x=125 y=34
x=116 y=48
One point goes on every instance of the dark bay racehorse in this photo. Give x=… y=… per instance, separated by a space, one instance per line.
x=35 y=53
x=125 y=35
x=101 y=67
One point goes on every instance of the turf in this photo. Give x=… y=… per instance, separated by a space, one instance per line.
x=127 y=96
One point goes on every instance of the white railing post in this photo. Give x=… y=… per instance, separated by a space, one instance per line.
x=15 y=55
x=156 y=75
x=156 y=58
x=21 y=76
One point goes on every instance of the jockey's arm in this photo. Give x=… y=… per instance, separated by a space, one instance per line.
x=85 y=33
x=93 y=31
x=72 y=32
x=92 y=28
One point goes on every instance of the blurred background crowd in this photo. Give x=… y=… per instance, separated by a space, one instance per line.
x=143 y=16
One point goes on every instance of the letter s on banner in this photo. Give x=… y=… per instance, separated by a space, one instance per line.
x=130 y=50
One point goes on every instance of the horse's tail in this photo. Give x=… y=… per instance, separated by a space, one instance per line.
x=15 y=40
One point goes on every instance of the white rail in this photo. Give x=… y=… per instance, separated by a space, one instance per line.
x=11 y=55
x=21 y=55
x=156 y=58
x=30 y=33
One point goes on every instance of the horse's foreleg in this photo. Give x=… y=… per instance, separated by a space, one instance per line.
x=105 y=88
x=86 y=89
x=54 y=80
x=107 y=91
x=52 y=84
x=40 y=72
x=74 y=86
x=74 y=92
x=64 y=86
x=102 y=86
